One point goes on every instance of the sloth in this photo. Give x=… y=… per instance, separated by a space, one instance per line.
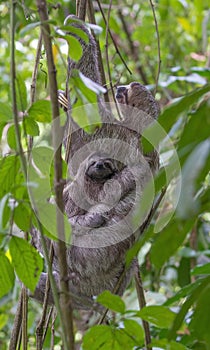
x=110 y=174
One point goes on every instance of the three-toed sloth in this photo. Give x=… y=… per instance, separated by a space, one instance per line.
x=110 y=175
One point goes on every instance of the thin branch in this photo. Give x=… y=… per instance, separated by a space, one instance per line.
x=17 y=325
x=91 y=17
x=111 y=36
x=158 y=43
x=24 y=318
x=107 y=59
x=81 y=9
x=133 y=50
x=142 y=303
x=65 y=301
x=13 y=90
x=35 y=71
x=41 y=324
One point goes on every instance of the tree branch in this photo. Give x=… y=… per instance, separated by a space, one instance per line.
x=65 y=302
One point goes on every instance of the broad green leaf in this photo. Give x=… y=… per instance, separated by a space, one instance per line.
x=3 y=320
x=82 y=90
x=201 y=270
x=160 y=316
x=22 y=217
x=201 y=317
x=92 y=85
x=184 y=272
x=7 y=276
x=31 y=127
x=9 y=167
x=41 y=111
x=110 y=338
x=4 y=212
x=171 y=237
x=188 y=206
x=69 y=29
x=43 y=158
x=171 y=113
x=11 y=137
x=192 y=298
x=134 y=330
x=111 y=301
x=96 y=337
x=21 y=93
x=168 y=345
x=75 y=48
x=5 y=112
x=29 y=27
x=27 y=262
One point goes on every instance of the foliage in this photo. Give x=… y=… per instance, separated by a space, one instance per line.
x=174 y=253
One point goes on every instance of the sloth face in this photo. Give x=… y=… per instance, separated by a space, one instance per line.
x=101 y=168
x=126 y=94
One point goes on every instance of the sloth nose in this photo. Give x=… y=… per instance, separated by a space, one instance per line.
x=100 y=165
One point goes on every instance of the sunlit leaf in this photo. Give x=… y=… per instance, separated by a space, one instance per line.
x=160 y=316
x=27 y=262
x=7 y=275
x=41 y=111
x=111 y=301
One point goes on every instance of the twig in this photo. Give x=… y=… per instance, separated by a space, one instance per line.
x=107 y=59
x=81 y=9
x=91 y=17
x=142 y=303
x=133 y=50
x=65 y=301
x=17 y=325
x=111 y=36
x=40 y=327
x=24 y=318
x=13 y=91
x=35 y=71
x=158 y=43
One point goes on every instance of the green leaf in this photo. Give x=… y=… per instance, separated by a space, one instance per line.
x=43 y=158
x=111 y=301
x=201 y=270
x=205 y=282
x=188 y=206
x=134 y=330
x=5 y=112
x=7 y=276
x=4 y=212
x=11 y=137
x=201 y=317
x=75 y=48
x=31 y=127
x=171 y=237
x=27 y=262
x=160 y=316
x=22 y=217
x=9 y=168
x=169 y=345
x=21 y=94
x=3 y=320
x=96 y=337
x=171 y=113
x=77 y=31
x=41 y=111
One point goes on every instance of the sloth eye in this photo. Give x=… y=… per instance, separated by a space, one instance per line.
x=133 y=104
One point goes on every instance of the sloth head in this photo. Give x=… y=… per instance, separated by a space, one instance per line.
x=137 y=96
x=101 y=167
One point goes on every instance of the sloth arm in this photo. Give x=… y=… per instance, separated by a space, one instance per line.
x=111 y=201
